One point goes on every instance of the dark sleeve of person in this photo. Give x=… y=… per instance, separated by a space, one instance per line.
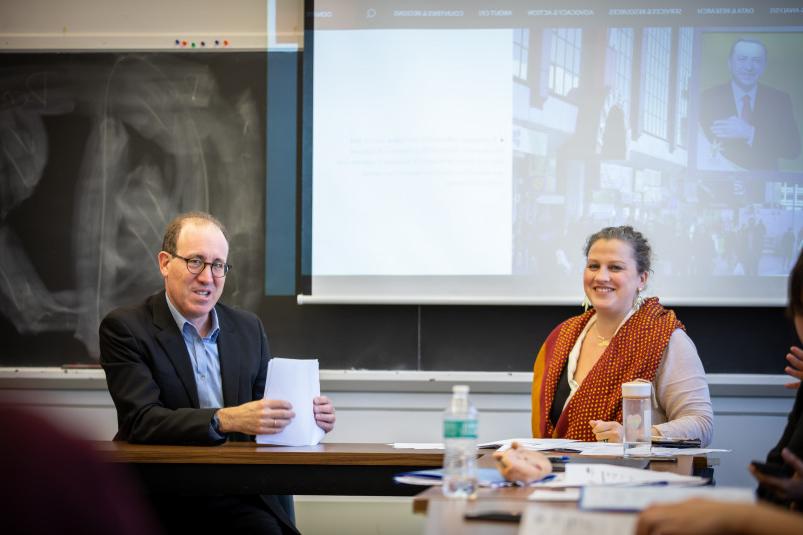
x=264 y=357
x=153 y=405
x=792 y=437
x=778 y=133
x=257 y=383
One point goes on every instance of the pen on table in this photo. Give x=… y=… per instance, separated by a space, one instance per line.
x=633 y=484
x=548 y=477
x=559 y=459
x=502 y=484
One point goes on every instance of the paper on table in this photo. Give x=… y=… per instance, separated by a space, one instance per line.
x=418 y=445
x=582 y=475
x=535 y=444
x=602 y=449
x=296 y=381
x=638 y=498
x=486 y=477
x=690 y=451
x=616 y=449
x=555 y=495
x=538 y=520
x=613 y=449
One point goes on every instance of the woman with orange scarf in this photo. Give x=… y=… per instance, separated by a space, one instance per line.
x=582 y=364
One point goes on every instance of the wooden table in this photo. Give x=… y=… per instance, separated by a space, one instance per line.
x=249 y=468
x=445 y=515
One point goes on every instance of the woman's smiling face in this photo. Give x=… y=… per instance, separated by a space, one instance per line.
x=611 y=279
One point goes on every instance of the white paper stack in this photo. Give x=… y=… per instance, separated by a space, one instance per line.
x=586 y=475
x=298 y=382
x=538 y=520
x=638 y=498
x=601 y=449
x=533 y=444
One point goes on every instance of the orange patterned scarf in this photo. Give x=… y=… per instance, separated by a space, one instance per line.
x=634 y=353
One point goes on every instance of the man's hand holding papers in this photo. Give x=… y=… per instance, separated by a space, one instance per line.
x=297 y=383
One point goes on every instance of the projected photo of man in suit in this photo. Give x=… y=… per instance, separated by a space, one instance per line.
x=747 y=125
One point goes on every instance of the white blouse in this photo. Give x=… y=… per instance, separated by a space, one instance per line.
x=682 y=404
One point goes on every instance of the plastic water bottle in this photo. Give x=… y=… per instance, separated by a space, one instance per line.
x=460 y=445
x=637 y=417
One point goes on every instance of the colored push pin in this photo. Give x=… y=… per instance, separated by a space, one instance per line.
x=184 y=43
x=217 y=42
x=178 y=43
x=203 y=43
x=225 y=42
x=193 y=44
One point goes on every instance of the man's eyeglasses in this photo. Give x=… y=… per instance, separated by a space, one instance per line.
x=197 y=265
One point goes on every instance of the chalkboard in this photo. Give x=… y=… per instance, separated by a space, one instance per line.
x=100 y=150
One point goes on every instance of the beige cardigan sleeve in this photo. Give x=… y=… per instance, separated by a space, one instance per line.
x=684 y=404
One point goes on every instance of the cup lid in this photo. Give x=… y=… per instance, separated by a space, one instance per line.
x=636 y=389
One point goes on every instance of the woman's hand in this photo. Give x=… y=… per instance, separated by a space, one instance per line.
x=795 y=368
x=786 y=488
x=606 y=431
x=517 y=464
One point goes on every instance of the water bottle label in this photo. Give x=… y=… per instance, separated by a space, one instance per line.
x=460 y=429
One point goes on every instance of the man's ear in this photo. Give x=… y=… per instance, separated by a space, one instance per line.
x=163 y=258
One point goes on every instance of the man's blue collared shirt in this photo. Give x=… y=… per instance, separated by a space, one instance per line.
x=204 y=356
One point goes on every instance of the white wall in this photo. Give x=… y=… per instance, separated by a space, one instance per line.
x=107 y=17
x=372 y=408
x=407 y=407
x=748 y=425
x=111 y=24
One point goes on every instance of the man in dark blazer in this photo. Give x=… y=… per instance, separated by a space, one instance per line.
x=750 y=124
x=183 y=368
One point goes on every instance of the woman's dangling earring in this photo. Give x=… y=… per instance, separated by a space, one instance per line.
x=586 y=303
x=639 y=300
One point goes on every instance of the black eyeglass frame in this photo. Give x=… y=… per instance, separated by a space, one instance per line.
x=226 y=267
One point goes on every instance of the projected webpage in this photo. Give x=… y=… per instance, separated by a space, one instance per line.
x=467 y=153
x=398 y=190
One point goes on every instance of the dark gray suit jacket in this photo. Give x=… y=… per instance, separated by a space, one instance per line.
x=150 y=377
x=777 y=135
x=149 y=372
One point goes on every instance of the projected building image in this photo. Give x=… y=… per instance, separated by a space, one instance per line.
x=603 y=135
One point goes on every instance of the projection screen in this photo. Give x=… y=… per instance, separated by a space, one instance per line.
x=462 y=152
